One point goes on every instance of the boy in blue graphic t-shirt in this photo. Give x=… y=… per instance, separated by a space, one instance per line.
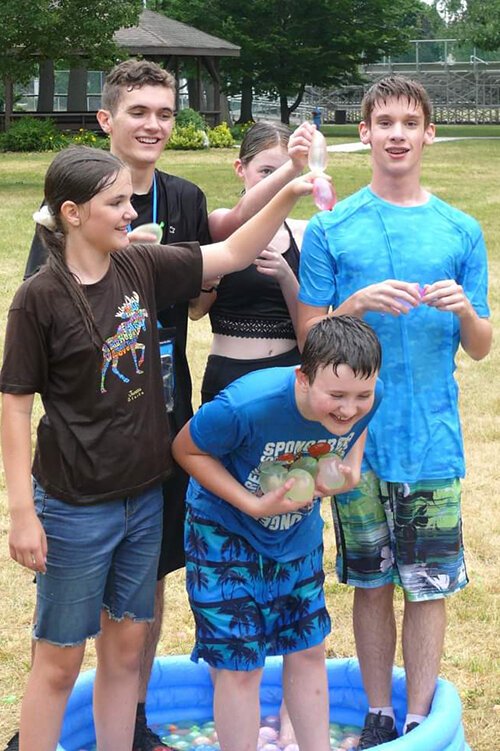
x=254 y=559
x=415 y=269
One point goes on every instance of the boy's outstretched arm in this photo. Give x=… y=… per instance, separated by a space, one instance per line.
x=244 y=245
x=210 y=473
x=476 y=333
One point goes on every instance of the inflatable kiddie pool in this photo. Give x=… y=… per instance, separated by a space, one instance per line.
x=181 y=690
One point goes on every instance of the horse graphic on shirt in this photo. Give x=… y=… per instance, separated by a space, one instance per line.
x=125 y=339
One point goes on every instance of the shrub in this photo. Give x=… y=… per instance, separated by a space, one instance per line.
x=220 y=137
x=87 y=138
x=187 y=138
x=32 y=134
x=239 y=130
x=189 y=116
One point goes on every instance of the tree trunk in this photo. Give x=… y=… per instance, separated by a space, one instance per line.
x=225 y=112
x=77 y=89
x=46 y=87
x=285 y=110
x=246 y=101
x=9 y=101
x=193 y=92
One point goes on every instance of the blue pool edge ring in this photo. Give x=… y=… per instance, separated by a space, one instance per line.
x=180 y=689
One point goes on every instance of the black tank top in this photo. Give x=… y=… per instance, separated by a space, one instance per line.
x=251 y=305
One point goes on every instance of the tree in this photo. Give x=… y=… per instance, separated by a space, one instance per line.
x=35 y=30
x=475 y=21
x=289 y=44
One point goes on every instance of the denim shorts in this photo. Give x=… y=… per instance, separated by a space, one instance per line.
x=409 y=534
x=247 y=606
x=99 y=556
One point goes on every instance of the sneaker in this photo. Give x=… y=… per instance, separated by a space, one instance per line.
x=146 y=740
x=378 y=729
x=411 y=726
x=13 y=744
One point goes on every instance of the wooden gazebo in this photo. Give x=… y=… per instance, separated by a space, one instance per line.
x=167 y=41
x=157 y=38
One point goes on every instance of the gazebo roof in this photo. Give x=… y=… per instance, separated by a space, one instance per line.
x=158 y=35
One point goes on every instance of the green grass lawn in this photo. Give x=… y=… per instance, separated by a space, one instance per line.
x=463 y=173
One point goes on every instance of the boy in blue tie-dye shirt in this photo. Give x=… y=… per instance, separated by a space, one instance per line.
x=415 y=269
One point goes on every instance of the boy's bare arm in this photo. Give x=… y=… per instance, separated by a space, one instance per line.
x=390 y=296
x=307 y=316
x=215 y=478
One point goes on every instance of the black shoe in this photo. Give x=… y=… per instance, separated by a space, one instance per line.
x=146 y=740
x=411 y=726
x=13 y=744
x=378 y=729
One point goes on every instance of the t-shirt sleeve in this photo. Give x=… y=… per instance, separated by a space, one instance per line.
x=25 y=359
x=217 y=428
x=474 y=275
x=317 y=275
x=178 y=272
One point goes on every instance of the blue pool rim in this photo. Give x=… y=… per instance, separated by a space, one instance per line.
x=182 y=690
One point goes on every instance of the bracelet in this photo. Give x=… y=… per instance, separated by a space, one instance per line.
x=207 y=291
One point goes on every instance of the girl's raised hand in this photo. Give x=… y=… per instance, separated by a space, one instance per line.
x=299 y=145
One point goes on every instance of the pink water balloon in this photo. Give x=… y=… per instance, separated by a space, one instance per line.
x=323 y=192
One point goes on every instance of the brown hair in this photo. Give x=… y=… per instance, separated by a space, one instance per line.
x=133 y=74
x=76 y=174
x=341 y=340
x=261 y=136
x=397 y=87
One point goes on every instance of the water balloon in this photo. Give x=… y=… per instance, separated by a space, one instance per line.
x=323 y=193
x=152 y=229
x=272 y=475
x=302 y=490
x=329 y=474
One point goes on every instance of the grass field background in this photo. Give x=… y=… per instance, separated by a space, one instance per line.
x=466 y=174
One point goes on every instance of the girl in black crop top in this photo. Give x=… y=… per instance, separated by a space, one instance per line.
x=252 y=312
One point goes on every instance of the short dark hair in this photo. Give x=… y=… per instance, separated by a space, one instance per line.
x=341 y=340
x=397 y=87
x=133 y=74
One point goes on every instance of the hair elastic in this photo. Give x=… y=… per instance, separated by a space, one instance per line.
x=45 y=217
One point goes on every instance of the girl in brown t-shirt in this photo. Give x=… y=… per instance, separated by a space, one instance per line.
x=82 y=332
